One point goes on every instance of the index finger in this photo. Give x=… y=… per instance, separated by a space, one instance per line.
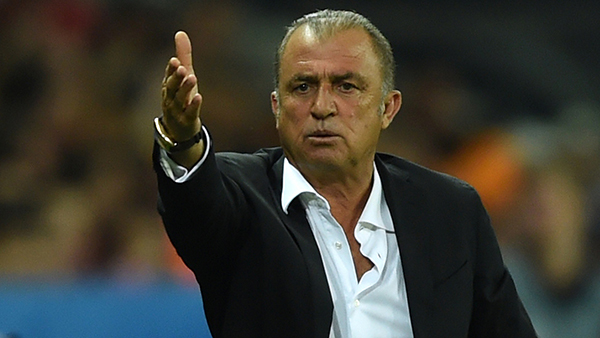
x=183 y=50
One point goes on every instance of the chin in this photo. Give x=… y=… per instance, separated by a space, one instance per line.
x=324 y=160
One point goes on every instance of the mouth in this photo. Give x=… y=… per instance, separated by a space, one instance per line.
x=322 y=133
x=322 y=136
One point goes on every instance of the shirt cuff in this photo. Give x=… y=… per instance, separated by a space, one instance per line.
x=178 y=173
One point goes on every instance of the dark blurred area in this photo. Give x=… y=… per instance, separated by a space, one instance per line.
x=503 y=94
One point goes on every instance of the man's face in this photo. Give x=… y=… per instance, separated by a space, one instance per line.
x=330 y=109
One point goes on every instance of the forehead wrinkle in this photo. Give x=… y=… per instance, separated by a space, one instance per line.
x=308 y=43
x=308 y=53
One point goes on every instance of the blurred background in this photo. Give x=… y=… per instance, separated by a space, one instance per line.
x=503 y=94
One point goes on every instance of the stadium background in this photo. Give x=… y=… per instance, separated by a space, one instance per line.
x=504 y=94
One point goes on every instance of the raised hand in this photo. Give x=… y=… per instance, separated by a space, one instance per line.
x=181 y=101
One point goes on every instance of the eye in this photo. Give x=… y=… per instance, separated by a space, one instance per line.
x=347 y=87
x=302 y=88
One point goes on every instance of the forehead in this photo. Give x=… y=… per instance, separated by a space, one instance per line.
x=338 y=52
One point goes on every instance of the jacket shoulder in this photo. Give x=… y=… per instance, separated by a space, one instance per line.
x=250 y=170
x=419 y=175
x=260 y=160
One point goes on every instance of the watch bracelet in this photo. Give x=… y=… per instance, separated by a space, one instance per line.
x=169 y=145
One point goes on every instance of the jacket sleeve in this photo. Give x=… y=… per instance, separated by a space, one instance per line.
x=203 y=215
x=497 y=308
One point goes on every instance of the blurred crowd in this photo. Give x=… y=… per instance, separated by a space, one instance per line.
x=540 y=182
x=78 y=91
x=80 y=85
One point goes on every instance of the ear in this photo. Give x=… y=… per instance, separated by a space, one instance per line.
x=275 y=107
x=392 y=104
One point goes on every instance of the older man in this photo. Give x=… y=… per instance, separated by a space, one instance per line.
x=324 y=237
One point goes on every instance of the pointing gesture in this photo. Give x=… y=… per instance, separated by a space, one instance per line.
x=181 y=101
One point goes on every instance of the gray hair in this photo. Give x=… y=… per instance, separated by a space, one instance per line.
x=326 y=23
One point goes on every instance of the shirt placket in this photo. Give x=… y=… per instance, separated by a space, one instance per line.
x=334 y=241
x=372 y=246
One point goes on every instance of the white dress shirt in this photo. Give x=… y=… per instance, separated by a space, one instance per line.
x=375 y=306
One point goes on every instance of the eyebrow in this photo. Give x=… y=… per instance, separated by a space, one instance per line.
x=335 y=78
x=304 y=78
x=349 y=75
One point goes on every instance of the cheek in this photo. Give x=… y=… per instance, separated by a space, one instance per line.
x=367 y=127
x=289 y=125
x=286 y=119
x=292 y=114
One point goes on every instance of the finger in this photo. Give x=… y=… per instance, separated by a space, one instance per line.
x=183 y=50
x=172 y=66
x=185 y=91
x=172 y=85
x=192 y=111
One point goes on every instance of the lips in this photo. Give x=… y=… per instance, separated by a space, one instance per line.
x=322 y=136
x=323 y=133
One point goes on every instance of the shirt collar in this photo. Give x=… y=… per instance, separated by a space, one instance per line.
x=295 y=184
x=372 y=213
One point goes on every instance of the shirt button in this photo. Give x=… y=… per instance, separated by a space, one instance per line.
x=338 y=245
x=356 y=303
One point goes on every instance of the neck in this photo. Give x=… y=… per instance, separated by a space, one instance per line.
x=333 y=180
x=346 y=192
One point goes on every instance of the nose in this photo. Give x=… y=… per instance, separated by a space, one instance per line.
x=324 y=104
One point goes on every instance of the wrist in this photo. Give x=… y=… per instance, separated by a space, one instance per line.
x=190 y=157
x=171 y=146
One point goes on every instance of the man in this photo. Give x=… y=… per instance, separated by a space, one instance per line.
x=324 y=237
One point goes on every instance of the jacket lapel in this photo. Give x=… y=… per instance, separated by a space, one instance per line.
x=296 y=222
x=413 y=235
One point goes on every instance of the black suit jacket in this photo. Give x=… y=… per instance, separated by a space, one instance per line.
x=261 y=274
